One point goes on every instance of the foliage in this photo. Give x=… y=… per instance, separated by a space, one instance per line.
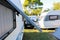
x=46 y=10
x=29 y=3
x=36 y=11
x=56 y=6
x=36 y=2
x=26 y=11
x=26 y=3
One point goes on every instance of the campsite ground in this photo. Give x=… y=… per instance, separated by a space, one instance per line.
x=33 y=34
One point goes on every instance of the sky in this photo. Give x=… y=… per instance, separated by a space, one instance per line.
x=22 y=1
x=46 y=3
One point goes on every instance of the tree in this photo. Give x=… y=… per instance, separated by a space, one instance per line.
x=26 y=3
x=26 y=12
x=56 y=6
x=36 y=11
x=32 y=5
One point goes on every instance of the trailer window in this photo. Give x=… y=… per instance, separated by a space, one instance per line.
x=53 y=17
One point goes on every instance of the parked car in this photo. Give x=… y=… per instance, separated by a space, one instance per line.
x=27 y=24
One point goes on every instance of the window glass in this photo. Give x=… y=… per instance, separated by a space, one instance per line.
x=53 y=17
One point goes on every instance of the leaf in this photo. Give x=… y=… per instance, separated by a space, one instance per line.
x=56 y=6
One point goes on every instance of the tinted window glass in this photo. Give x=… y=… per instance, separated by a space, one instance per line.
x=46 y=18
x=52 y=17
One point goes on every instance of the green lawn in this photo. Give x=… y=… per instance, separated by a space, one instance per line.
x=37 y=35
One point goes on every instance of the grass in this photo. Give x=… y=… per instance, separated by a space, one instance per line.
x=33 y=30
x=31 y=34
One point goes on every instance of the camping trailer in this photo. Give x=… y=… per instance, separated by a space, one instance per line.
x=50 y=19
x=10 y=21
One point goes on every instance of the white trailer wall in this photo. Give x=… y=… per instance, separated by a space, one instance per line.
x=17 y=34
x=6 y=20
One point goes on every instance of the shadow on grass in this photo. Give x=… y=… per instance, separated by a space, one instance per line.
x=37 y=36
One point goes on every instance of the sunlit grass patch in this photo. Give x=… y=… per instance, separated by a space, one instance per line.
x=30 y=30
x=34 y=30
x=48 y=30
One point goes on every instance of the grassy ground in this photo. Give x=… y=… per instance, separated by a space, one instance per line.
x=34 y=30
x=31 y=34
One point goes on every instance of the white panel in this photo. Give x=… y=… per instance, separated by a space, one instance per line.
x=6 y=20
x=17 y=3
